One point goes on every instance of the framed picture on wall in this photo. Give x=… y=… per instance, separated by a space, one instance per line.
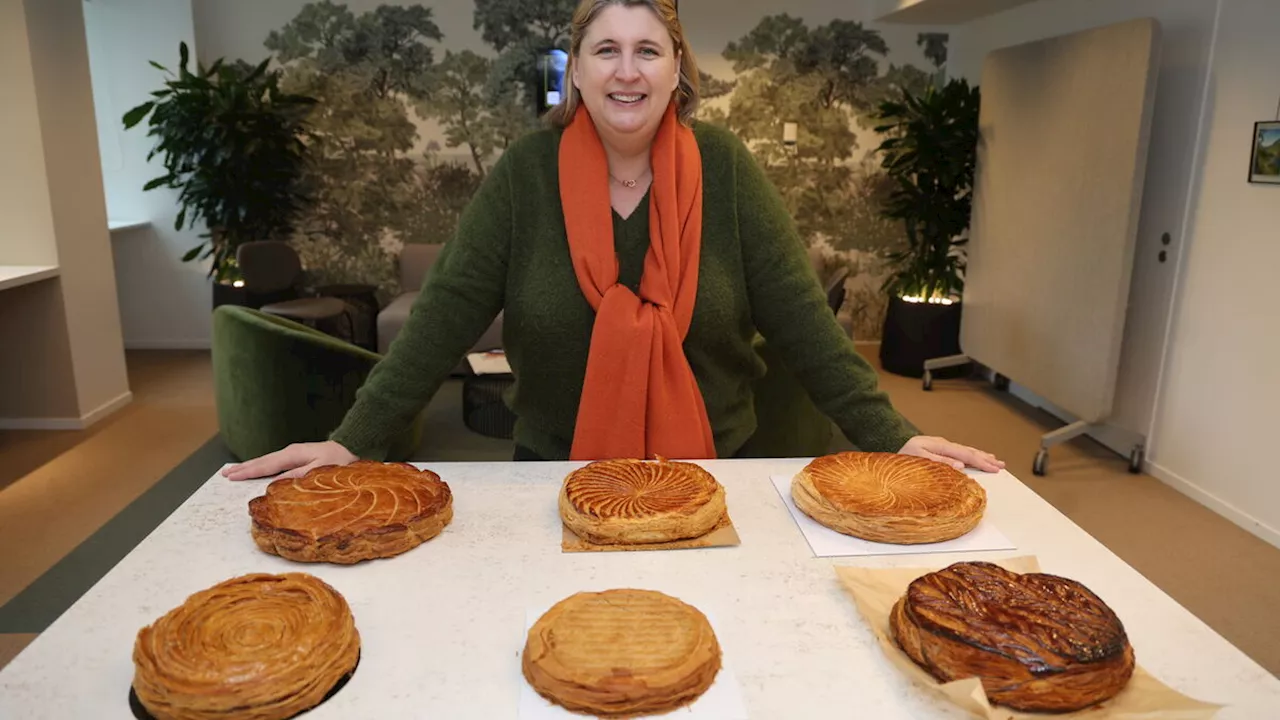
x=1264 y=165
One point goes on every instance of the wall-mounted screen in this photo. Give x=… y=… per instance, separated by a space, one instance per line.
x=550 y=86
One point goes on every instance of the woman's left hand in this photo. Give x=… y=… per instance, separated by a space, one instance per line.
x=954 y=454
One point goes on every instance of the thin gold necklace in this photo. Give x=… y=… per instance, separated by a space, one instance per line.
x=627 y=183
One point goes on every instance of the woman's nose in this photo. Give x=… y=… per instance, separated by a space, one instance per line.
x=627 y=68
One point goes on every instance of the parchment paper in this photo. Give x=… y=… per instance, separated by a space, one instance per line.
x=1145 y=698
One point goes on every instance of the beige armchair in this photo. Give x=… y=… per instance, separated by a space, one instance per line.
x=415 y=263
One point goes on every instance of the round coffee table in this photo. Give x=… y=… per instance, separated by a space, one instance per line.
x=363 y=302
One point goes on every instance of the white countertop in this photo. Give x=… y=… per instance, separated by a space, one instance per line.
x=442 y=625
x=14 y=275
x=121 y=225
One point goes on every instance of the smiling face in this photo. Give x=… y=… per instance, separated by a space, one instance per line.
x=626 y=71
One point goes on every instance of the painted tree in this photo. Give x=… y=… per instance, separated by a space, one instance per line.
x=935 y=47
x=459 y=103
x=890 y=86
x=509 y=95
x=504 y=23
x=710 y=87
x=819 y=78
x=840 y=55
x=387 y=47
x=316 y=34
x=365 y=69
x=827 y=79
x=518 y=30
x=441 y=191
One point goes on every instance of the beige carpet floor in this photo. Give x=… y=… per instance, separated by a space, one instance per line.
x=73 y=482
x=58 y=488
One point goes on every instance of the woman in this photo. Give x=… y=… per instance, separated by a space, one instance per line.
x=635 y=255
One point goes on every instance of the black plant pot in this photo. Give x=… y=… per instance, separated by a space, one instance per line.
x=228 y=294
x=915 y=332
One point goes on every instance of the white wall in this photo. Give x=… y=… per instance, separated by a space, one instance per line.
x=937 y=11
x=27 y=234
x=1191 y=376
x=35 y=362
x=65 y=99
x=1216 y=423
x=63 y=360
x=163 y=302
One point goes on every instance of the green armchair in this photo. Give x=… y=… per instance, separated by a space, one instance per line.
x=790 y=425
x=279 y=382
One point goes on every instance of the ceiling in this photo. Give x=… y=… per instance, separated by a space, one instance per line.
x=939 y=12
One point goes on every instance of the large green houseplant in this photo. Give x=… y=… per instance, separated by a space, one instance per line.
x=234 y=146
x=929 y=151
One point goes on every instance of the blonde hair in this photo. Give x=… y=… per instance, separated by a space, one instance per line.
x=588 y=10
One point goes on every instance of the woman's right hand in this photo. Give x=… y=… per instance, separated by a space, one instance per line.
x=295 y=460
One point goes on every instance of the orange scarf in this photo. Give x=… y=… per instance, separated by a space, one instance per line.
x=639 y=398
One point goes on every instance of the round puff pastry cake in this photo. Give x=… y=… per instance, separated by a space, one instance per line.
x=259 y=646
x=345 y=514
x=630 y=502
x=1038 y=643
x=889 y=498
x=621 y=652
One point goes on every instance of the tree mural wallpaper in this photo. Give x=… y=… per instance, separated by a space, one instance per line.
x=406 y=128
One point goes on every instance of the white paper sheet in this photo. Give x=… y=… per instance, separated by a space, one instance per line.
x=489 y=363
x=826 y=542
x=722 y=701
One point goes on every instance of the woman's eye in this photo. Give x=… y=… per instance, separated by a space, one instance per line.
x=649 y=52
x=606 y=51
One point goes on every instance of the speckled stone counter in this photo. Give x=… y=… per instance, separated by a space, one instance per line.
x=442 y=625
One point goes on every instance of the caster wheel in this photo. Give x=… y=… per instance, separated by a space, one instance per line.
x=927 y=381
x=1001 y=382
x=1135 y=460
x=1041 y=463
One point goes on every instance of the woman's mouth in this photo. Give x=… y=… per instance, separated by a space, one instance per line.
x=627 y=98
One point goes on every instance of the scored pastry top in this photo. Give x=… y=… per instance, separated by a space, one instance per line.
x=259 y=645
x=889 y=483
x=644 y=632
x=621 y=652
x=1042 y=621
x=632 y=489
x=351 y=499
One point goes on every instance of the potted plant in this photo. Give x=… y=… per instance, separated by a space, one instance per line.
x=930 y=154
x=233 y=145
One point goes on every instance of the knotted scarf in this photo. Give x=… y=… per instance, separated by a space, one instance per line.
x=639 y=397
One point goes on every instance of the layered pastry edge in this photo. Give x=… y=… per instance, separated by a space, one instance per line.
x=166 y=695
x=1068 y=686
x=693 y=521
x=899 y=528
x=344 y=547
